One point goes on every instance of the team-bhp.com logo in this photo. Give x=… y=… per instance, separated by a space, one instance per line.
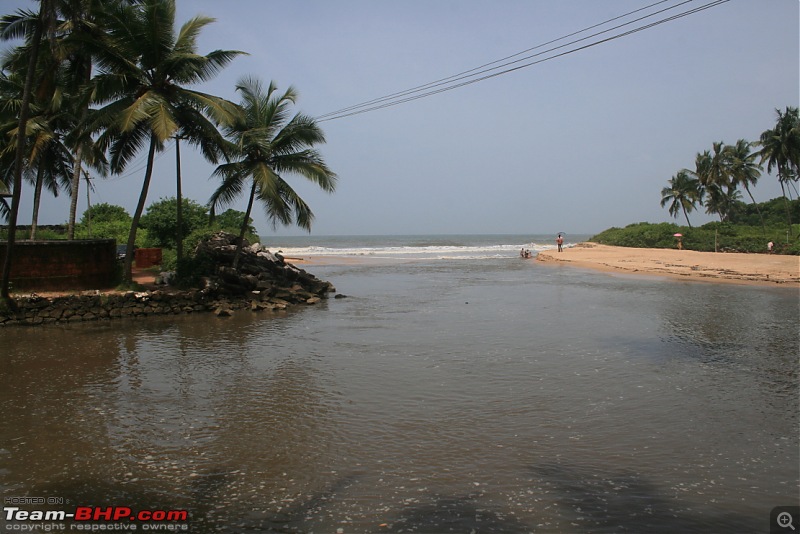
x=94 y=518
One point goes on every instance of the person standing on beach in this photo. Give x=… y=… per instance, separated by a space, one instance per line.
x=769 y=247
x=560 y=242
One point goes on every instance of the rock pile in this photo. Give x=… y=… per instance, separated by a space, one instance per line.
x=262 y=275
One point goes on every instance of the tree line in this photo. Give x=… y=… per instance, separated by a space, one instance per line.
x=96 y=82
x=719 y=173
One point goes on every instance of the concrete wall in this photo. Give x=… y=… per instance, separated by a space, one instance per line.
x=62 y=265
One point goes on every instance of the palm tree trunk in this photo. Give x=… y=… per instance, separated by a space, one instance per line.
x=179 y=193
x=760 y=216
x=687 y=216
x=73 y=199
x=37 y=197
x=76 y=176
x=244 y=225
x=786 y=203
x=128 y=268
x=88 y=203
x=22 y=125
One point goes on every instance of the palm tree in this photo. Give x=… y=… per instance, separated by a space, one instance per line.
x=718 y=169
x=52 y=161
x=212 y=144
x=65 y=65
x=41 y=28
x=683 y=193
x=744 y=170
x=56 y=145
x=269 y=144
x=721 y=201
x=780 y=148
x=11 y=84
x=714 y=171
x=144 y=70
x=79 y=31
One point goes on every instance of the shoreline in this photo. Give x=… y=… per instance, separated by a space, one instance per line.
x=717 y=267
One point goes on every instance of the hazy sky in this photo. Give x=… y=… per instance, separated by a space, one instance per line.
x=576 y=144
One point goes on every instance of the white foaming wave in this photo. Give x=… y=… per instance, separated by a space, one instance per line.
x=442 y=252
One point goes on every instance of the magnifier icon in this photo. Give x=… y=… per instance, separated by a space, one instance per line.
x=785 y=520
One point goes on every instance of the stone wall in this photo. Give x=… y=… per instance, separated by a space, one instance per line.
x=37 y=310
x=60 y=265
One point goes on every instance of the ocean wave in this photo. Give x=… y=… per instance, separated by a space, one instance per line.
x=438 y=252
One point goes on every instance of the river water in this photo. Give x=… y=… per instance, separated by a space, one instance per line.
x=476 y=394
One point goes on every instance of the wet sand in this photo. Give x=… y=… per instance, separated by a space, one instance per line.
x=757 y=269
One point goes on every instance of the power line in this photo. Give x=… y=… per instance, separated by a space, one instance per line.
x=460 y=75
x=143 y=163
x=449 y=83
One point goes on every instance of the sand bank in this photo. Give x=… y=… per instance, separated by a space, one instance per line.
x=761 y=269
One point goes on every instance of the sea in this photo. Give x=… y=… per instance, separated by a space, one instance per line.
x=416 y=247
x=452 y=387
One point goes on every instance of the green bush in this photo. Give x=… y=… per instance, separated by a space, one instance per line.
x=43 y=234
x=169 y=259
x=161 y=221
x=118 y=230
x=104 y=212
x=231 y=221
x=723 y=237
x=641 y=235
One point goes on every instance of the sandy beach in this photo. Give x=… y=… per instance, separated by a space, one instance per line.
x=760 y=269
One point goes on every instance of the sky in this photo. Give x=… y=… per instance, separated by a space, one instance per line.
x=576 y=144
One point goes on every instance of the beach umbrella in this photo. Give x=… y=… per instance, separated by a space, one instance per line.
x=677 y=235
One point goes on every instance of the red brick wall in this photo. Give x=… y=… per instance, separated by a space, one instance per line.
x=147 y=257
x=62 y=265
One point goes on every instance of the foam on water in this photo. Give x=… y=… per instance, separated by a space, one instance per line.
x=438 y=252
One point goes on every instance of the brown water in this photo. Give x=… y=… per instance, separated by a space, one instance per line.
x=460 y=396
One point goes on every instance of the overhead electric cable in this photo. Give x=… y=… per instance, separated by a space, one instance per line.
x=459 y=75
x=142 y=163
x=395 y=99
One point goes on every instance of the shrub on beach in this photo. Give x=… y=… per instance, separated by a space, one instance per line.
x=640 y=235
x=723 y=237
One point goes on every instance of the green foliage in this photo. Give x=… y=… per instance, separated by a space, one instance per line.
x=161 y=224
x=726 y=237
x=743 y=233
x=774 y=212
x=113 y=222
x=104 y=213
x=271 y=146
x=642 y=235
x=231 y=221
x=43 y=234
x=190 y=241
x=169 y=259
x=110 y=230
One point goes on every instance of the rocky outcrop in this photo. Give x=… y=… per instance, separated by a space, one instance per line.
x=258 y=270
x=262 y=281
